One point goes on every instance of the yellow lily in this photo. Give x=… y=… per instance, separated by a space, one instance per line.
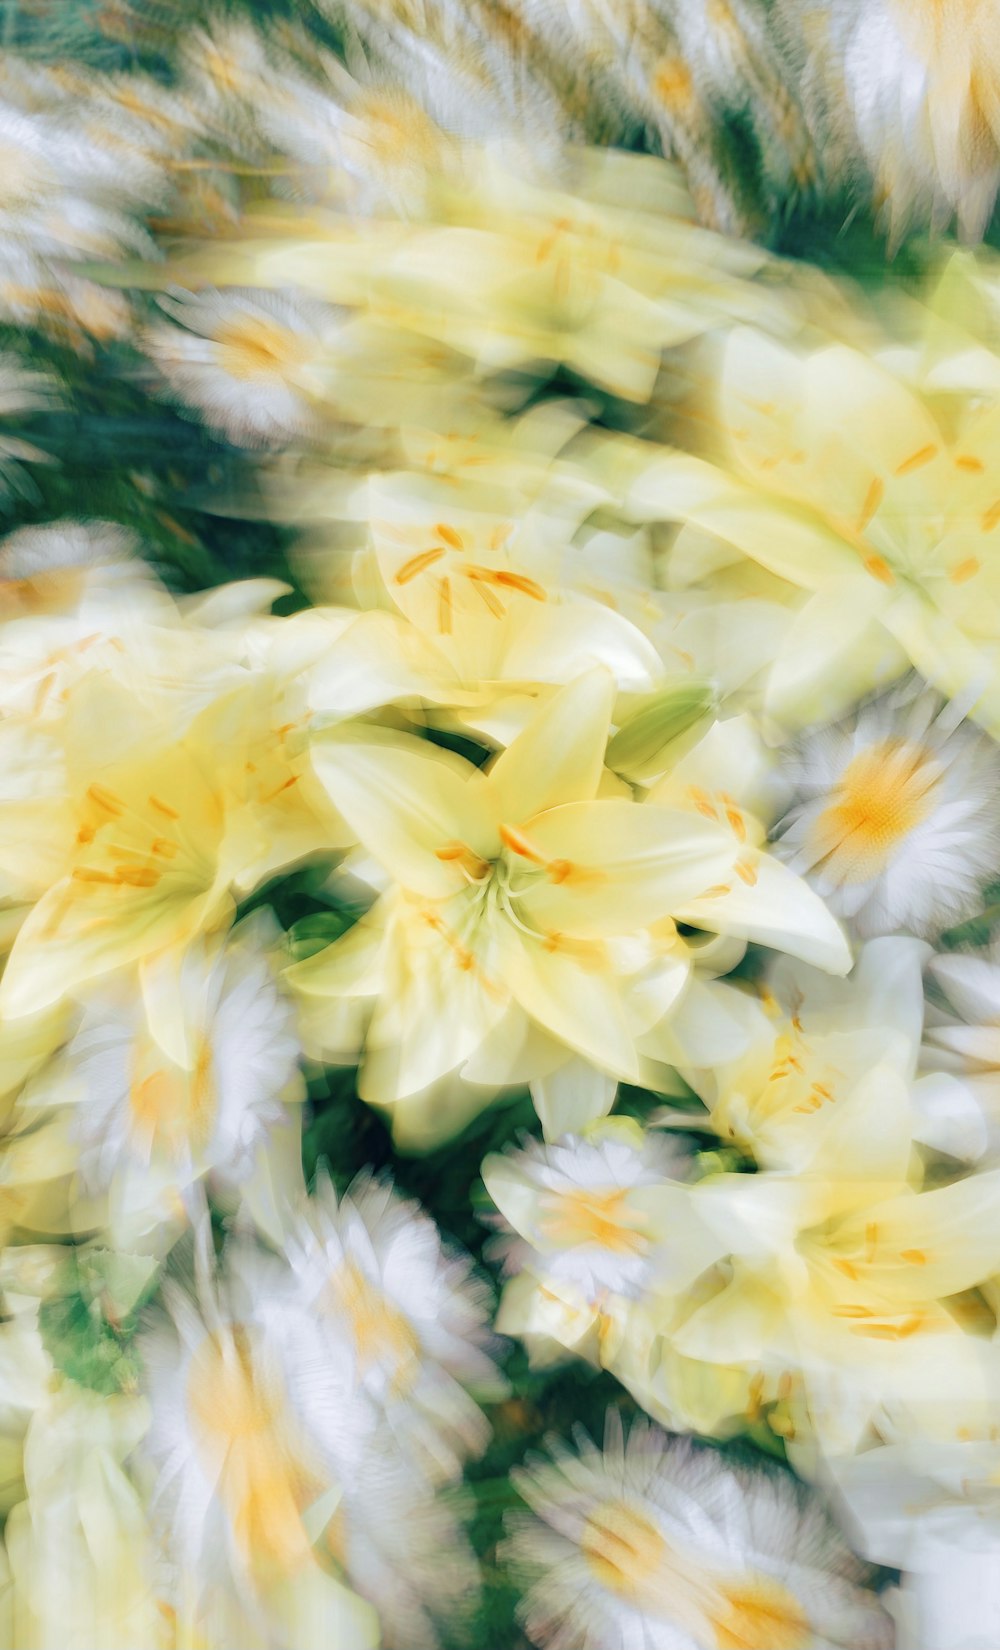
x=517 y=899
x=844 y=484
x=147 y=864
x=841 y=1271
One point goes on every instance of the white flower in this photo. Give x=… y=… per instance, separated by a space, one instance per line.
x=962 y=1044
x=246 y=359
x=589 y=1210
x=910 y=88
x=237 y=1486
x=31 y=552
x=657 y=1544
x=373 y=1283
x=895 y=814
x=403 y=1548
x=150 y=1123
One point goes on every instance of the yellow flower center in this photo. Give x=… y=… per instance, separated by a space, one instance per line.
x=254 y=346
x=882 y=795
x=624 y=1550
x=592 y=1216
x=757 y=1613
x=383 y=1337
x=236 y=1419
x=171 y=1107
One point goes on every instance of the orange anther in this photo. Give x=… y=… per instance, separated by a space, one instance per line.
x=870 y=504
x=922 y=456
x=137 y=876
x=518 y=843
x=444 y=607
x=879 y=569
x=106 y=800
x=990 y=517
x=966 y=569
x=417 y=564
x=520 y=581
x=163 y=808
x=450 y=536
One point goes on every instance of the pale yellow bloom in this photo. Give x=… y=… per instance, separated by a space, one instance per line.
x=517 y=899
x=845 y=485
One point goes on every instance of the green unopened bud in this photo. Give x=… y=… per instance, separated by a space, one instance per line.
x=648 y=741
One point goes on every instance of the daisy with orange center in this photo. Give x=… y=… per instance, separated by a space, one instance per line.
x=893 y=814
x=656 y=1542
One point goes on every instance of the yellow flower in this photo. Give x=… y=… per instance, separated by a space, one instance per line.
x=841 y=1271
x=146 y=866
x=845 y=485
x=517 y=899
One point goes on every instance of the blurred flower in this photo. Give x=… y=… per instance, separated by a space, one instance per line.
x=846 y=486
x=246 y=358
x=593 y=1214
x=962 y=1043
x=149 y=1123
x=815 y=1037
x=657 y=1542
x=504 y=906
x=238 y=1490
x=913 y=90
x=81 y=1555
x=892 y=814
x=374 y=1284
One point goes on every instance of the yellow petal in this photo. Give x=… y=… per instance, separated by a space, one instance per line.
x=560 y=755
x=616 y=866
x=767 y=902
x=424 y=813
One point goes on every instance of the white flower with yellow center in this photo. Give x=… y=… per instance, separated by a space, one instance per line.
x=237 y=1487
x=403 y=1547
x=593 y=1214
x=921 y=80
x=374 y=1285
x=150 y=1123
x=893 y=816
x=657 y=1543
x=245 y=359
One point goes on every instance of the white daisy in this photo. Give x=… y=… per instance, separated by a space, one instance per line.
x=962 y=1040
x=894 y=814
x=238 y=1490
x=149 y=1126
x=31 y=552
x=21 y=391
x=909 y=88
x=655 y=1544
x=584 y=1210
x=403 y=1547
x=372 y=1279
x=246 y=359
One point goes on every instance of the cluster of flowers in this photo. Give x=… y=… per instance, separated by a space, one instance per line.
x=645 y=723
